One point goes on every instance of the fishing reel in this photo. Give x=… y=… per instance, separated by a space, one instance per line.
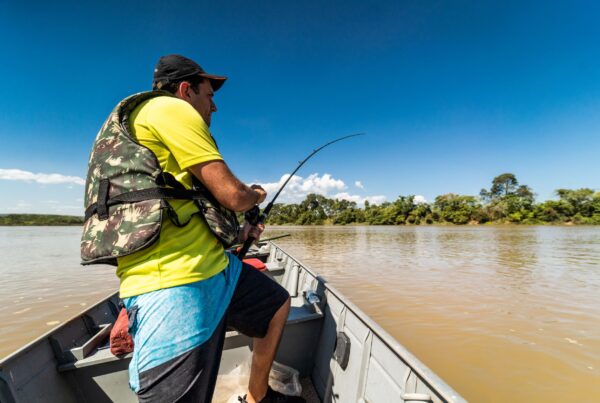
x=252 y=216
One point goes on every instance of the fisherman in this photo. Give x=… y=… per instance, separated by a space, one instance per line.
x=181 y=288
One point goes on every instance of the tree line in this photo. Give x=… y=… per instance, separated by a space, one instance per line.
x=506 y=201
x=39 y=219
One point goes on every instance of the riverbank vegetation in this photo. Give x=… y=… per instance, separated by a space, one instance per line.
x=39 y=219
x=506 y=201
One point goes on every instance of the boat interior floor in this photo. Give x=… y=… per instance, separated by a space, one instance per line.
x=308 y=391
x=224 y=393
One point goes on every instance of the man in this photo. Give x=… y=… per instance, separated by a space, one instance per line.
x=183 y=290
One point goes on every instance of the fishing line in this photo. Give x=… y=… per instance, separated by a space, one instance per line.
x=255 y=217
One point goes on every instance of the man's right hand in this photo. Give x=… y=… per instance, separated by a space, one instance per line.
x=229 y=191
x=262 y=193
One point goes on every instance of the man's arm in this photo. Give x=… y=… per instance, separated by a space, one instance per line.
x=226 y=188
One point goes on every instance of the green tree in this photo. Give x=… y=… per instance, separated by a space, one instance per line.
x=502 y=185
x=401 y=209
x=456 y=209
x=421 y=213
x=345 y=212
x=312 y=210
x=507 y=200
x=582 y=200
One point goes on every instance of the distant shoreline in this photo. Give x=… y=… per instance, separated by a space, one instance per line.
x=42 y=220
x=443 y=224
x=13 y=220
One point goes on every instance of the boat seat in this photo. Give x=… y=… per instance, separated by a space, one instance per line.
x=101 y=356
x=275 y=267
x=101 y=353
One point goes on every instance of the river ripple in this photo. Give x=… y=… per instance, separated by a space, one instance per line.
x=500 y=313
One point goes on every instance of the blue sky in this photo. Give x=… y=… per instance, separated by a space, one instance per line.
x=450 y=93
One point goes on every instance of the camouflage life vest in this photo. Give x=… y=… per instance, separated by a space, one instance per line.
x=126 y=193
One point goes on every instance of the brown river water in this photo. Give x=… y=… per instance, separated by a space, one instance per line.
x=502 y=314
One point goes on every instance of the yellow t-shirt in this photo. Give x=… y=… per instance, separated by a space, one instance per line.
x=179 y=137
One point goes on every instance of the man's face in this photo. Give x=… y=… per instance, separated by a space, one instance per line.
x=203 y=100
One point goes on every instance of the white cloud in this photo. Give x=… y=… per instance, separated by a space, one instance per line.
x=46 y=179
x=378 y=199
x=419 y=199
x=375 y=199
x=359 y=184
x=298 y=188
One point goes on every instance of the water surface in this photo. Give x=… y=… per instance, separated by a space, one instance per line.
x=42 y=283
x=500 y=313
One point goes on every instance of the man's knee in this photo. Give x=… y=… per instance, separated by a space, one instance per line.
x=283 y=311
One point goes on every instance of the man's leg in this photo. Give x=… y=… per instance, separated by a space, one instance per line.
x=188 y=378
x=259 y=309
x=178 y=345
x=263 y=354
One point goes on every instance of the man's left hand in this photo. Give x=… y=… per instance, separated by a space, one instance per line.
x=251 y=230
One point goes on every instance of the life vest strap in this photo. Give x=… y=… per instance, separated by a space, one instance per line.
x=101 y=207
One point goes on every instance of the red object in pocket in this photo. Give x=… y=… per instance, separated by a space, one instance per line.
x=256 y=263
x=121 y=341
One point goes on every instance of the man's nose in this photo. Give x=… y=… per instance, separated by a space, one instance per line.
x=213 y=107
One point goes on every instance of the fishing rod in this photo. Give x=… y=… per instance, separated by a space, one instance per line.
x=265 y=240
x=255 y=217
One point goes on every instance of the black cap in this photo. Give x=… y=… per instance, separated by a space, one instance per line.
x=173 y=68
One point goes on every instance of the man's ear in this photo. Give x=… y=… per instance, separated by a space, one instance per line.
x=183 y=90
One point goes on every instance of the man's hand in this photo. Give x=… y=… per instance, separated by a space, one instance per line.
x=262 y=194
x=251 y=230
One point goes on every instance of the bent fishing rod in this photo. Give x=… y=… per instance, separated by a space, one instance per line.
x=255 y=217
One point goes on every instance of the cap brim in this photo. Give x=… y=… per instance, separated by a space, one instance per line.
x=216 y=81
